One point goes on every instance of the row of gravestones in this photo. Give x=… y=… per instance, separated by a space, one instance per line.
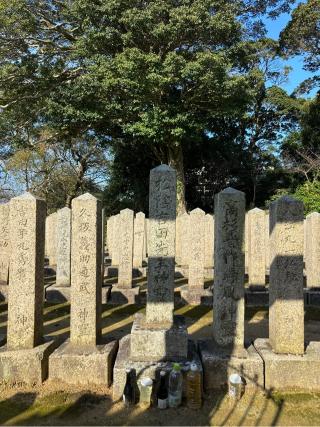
x=126 y=243
x=158 y=338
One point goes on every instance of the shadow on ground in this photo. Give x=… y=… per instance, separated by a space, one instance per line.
x=49 y=407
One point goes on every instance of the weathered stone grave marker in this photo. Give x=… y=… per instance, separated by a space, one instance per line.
x=256 y=247
x=25 y=356
x=84 y=359
x=194 y=293
x=226 y=353
x=287 y=363
x=158 y=336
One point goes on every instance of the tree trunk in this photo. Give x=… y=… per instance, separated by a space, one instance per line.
x=175 y=160
x=79 y=182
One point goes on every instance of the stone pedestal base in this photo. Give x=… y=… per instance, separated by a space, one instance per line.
x=183 y=270
x=218 y=365
x=26 y=366
x=313 y=296
x=121 y=295
x=58 y=294
x=257 y=295
x=143 y=368
x=158 y=343
x=83 y=366
x=4 y=289
x=195 y=296
x=285 y=371
x=112 y=271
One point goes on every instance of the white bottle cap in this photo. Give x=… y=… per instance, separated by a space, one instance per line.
x=194 y=367
x=235 y=379
x=146 y=382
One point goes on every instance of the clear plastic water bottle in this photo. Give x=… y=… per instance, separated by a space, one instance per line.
x=175 y=386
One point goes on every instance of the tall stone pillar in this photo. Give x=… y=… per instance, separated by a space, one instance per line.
x=115 y=240
x=109 y=235
x=162 y=214
x=185 y=240
x=178 y=240
x=158 y=337
x=63 y=247
x=86 y=240
x=194 y=293
x=124 y=292
x=138 y=240
x=286 y=311
x=267 y=220
x=246 y=243
x=313 y=250
x=287 y=363
x=226 y=353
x=305 y=239
x=208 y=241
x=52 y=236
x=25 y=357
x=145 y=239
x=228 y=303
x=256 y=247
x=104 y=243
x=84 y=359
x=4 y=243
x=197 y=249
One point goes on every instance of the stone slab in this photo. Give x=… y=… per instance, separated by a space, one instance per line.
x=29 y=366
x=196 y=296
x=58 y=294
x=286 y=371
x=218 y=366
x=143 y=368
x=83 y=365
x=158 y=343
x=121 y=295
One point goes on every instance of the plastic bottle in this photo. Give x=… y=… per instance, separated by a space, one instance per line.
x=145 y=388
x=175 y=386
x=129 y=395
x=162 y=395
x=194 y=387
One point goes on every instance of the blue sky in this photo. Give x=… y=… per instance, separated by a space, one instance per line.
x=298 y=74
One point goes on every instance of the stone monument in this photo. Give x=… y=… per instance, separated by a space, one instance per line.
x=85 y=358
x=60 y=292
x=256 y=248
x=25 y=356
x=194 y=293
x=4 y=250
x=138 y=240
x=124 y=292
x=226 y=352
x=63 y=247
x=158 y=338
x=287 y=364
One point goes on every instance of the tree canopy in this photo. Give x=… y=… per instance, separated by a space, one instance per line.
x=126 y=84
